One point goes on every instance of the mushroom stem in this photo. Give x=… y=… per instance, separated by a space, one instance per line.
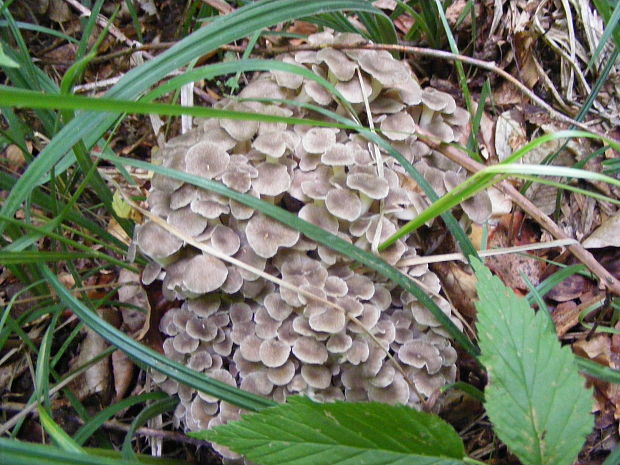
x=366 y=203
x=319 y=203
x=339 y=172
x=426 y=117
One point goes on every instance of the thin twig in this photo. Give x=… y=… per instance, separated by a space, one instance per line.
x=583 y=255
x=105 y=22
x=448 y=257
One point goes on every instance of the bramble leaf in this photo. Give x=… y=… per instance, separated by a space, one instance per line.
x=303 y=432
x=535 y=398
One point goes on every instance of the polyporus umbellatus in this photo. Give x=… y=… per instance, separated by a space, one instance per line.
x=245 y=331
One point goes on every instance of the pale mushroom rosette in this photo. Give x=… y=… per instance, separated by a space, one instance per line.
x=273 y=341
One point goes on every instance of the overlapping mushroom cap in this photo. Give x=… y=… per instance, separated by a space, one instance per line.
x=245 y=331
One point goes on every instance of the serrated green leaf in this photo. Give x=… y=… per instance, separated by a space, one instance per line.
x=535 y=398
x=303 y=432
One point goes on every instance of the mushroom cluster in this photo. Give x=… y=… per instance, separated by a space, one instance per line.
x=274 y=341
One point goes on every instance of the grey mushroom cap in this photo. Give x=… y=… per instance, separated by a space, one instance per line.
x=398 y=126
x=386 y=105
x=274 y=353
x=344 y=204
x=209 y=208
x=318 y=140
x=395 y=393
x=203 y=274
x=437 y=100
x=317 y=92
x=156 y=242
x=180 y=198
x=288 y=80
x=277 y=308
x=385 y=377
x=258 y=383
x=338 y=63
x=331 y=320
x=200 y=360
x=237 y=129
x=185 y=220
x=266 y=235
x=335 y=286
x=247 y=255
x=479 y=207
x=306 y=57
x=184 y=343
x=339 y=155
x=309 y=350
x=202 y=329
x=225 y=239
x=358 y=352
x=283 y=374
x=234 y=281
x=316 y=376
x=150 y=273
x=427 y=384
x=339 y=343
x=360 y=286
x=240 y=312
x=204 y=306
x=353 y=91
x=419 y=353
x=207 y=160
x=273 y=179
x=382 y=66
x=271 y=143
x=319 y=217
x=373 y=186
x=249 y=348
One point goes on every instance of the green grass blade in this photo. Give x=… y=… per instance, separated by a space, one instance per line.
x=35 y=256
x=153 y=359
x=157 y=408
x=23 y=453
x=457 y=63
x=472 y=143
x=556 y=278
x=609 y=32
x=30 y=99
x=42 y=372
x=380 y=28
x=598 y=371
x=134 y=19
x=62 y=439
x=40 y=29
x=87 y=430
